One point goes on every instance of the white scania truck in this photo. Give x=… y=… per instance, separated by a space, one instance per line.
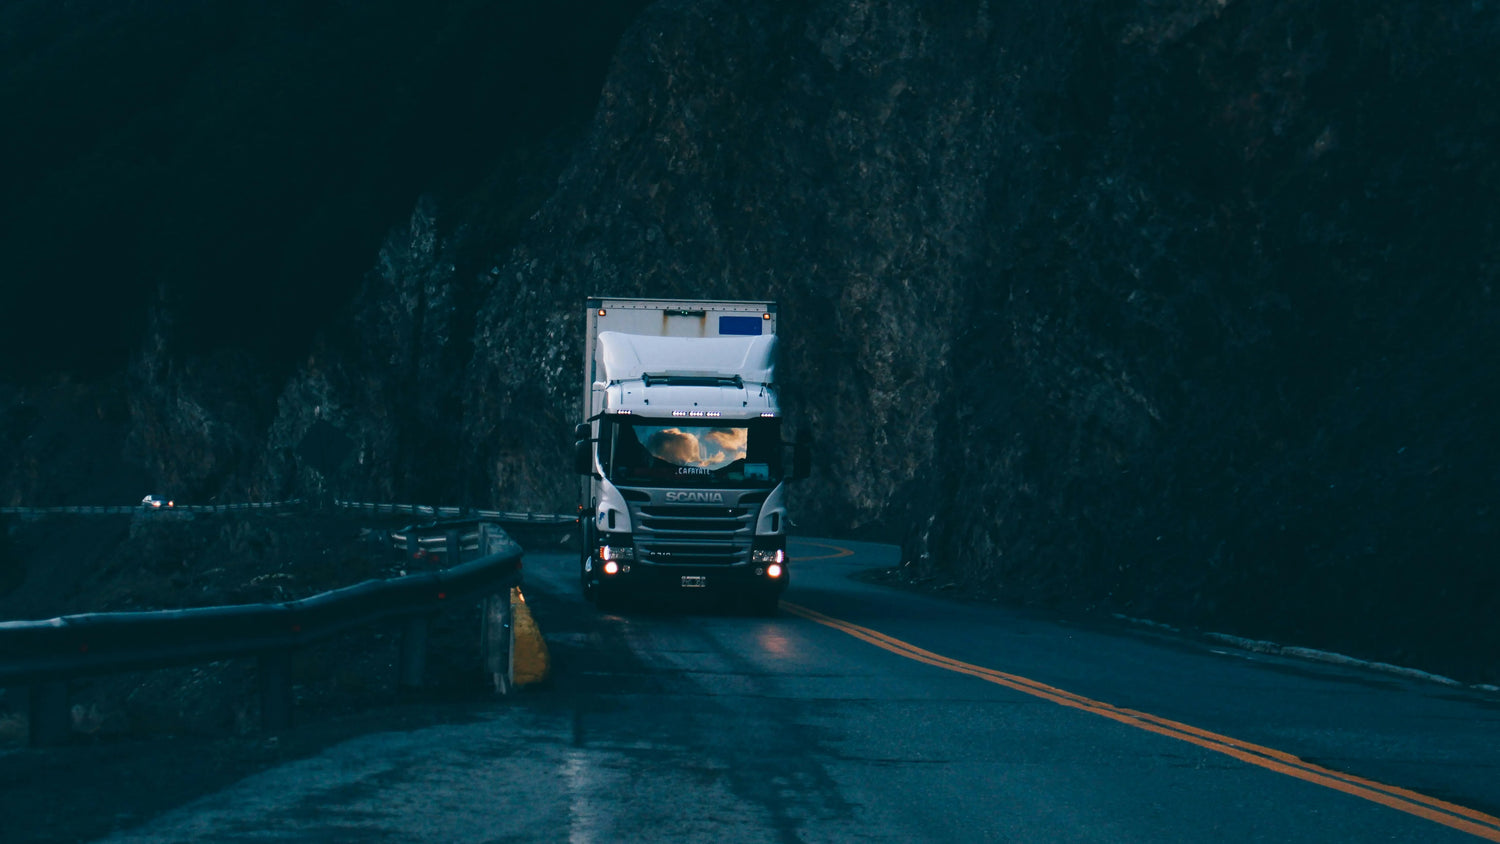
x=682 y=452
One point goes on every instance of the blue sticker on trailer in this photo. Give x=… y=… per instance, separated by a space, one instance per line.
x=745 y=326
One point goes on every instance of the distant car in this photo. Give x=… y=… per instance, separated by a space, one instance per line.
x=155 y=502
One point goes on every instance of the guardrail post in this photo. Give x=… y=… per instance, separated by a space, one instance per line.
x=413 y=659
x=497 y=642
x=51 y=719
x=276 y=690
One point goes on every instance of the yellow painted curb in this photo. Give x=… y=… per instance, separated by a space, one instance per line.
x=531 y=660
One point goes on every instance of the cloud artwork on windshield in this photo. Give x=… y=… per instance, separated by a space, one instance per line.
x=710 y=448
x=674 y=446
x=732 y=442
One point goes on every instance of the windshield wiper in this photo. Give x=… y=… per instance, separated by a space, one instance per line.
x=692 y=379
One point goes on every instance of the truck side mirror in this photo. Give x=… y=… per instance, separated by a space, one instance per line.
x=583 y=457
x=801 y=460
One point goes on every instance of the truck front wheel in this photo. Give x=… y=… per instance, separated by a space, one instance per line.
x=585 y=553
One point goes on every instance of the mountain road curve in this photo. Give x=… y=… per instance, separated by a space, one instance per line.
x=861 y=712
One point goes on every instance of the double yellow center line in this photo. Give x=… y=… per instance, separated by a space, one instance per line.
x=1439 y=811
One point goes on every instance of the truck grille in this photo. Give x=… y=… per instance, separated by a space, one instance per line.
x=686 y=534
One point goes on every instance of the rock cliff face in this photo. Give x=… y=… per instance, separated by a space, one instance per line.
x=1183 y=308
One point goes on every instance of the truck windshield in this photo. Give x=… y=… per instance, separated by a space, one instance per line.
x=655 y=452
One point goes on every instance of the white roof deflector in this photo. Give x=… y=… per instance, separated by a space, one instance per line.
x=632 y=357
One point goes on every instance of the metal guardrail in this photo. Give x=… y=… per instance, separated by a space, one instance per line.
x=427 y=510
x=112 y=510
x=401 y=509
x=442 y=512
x=45 y=655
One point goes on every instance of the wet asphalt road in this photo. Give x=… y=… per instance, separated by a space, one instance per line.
x=864 y=713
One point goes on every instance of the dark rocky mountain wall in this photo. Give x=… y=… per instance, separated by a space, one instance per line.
x=1183 y=309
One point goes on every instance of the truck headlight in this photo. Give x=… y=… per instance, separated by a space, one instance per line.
x=621 y=553
x=768 y=555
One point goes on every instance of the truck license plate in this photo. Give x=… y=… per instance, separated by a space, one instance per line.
x=690 y=581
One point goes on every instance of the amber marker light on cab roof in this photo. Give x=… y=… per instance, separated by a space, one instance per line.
x=601 y=312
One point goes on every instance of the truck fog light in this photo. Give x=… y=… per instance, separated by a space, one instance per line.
x=774 y=570
x=611 y=567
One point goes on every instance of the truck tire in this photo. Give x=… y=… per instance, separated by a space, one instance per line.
x=586 y=550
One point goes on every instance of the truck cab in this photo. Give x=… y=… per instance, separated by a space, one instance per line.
x=683 y=453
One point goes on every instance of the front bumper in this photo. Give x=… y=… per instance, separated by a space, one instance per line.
x=638 y=578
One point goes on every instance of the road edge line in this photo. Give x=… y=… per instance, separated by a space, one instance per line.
x=1413 y=803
